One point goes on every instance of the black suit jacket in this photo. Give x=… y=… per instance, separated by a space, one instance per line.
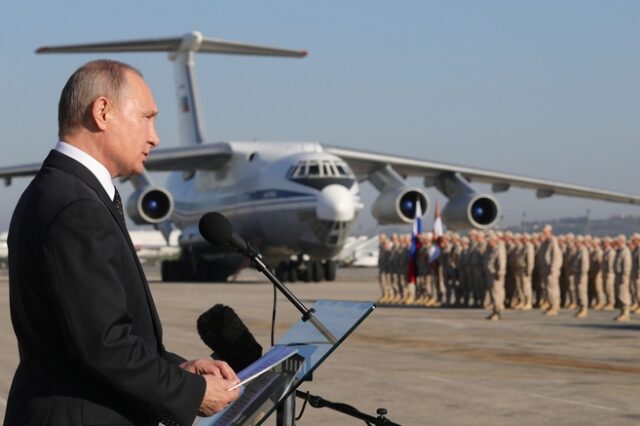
x=88 y=333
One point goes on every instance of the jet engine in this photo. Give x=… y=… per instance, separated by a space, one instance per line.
x=480 y=211
x=398 y=205
x=150 y=205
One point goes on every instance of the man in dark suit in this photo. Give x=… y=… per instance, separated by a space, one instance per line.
x=88 y=333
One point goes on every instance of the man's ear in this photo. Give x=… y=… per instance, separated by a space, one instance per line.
x=101 y=111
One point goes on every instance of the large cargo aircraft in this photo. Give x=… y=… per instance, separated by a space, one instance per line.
x=293 y=200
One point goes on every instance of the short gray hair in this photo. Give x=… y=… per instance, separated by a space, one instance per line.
x=94 y=79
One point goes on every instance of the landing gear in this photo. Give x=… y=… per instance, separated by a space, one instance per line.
x=317 y=269
x=330 y=270
x=306 y=271
x=190 y=269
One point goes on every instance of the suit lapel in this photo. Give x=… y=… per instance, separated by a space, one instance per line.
x=61 y=161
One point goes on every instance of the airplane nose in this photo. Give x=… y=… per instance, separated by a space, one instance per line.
x=335 y=203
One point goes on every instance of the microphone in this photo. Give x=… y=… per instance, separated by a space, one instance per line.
x=223 y=331
x=217 y=229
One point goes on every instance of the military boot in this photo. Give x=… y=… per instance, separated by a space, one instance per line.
x=385 y=296
x=411 y=295
x=624 y=316
x=582 y=313
x=552 y=311
x=494 y=317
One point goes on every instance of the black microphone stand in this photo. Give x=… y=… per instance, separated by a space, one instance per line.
x=307 y=314
x=319 y=402
x=286 y=410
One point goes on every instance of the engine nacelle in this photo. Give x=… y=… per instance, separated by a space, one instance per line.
x=480 y=211
x=398 y=205
x=150 y=205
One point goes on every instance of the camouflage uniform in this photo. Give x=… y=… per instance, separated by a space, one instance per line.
x=551 y=262
x=622 y=268
x=581 y=276
x=608 y=274
x=595 y=271
x=496 y=268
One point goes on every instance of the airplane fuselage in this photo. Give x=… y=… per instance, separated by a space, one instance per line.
x=286 y=198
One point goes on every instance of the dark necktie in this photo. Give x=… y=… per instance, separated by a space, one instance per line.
x=117 y=202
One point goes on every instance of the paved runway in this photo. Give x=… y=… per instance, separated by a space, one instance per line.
x=426 y=366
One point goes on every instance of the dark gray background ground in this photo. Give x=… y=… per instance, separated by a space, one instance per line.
x=426 y=366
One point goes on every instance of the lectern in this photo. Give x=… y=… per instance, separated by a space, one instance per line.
x=275 y=389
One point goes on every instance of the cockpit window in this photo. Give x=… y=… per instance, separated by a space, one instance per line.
x=320 y=173
x=300 y=170
x=315 y=169
x=326 y=169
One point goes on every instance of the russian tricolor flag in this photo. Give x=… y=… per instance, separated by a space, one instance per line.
x=415 y=244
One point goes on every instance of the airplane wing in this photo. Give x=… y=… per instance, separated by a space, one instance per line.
x=8 y=173
x=187 y=158
x=365 y=163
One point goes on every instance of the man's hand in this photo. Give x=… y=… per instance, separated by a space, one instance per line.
x=216 y=368
x=216 y=396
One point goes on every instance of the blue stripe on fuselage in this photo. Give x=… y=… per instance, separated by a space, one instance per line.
x=228 y=200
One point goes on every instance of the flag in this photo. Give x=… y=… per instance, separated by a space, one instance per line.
x=415 y=245
x=438 y=228
x=438 y=231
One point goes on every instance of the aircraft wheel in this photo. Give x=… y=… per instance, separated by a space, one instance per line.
x=330 y=270
x=318 y=271
x=306 y=274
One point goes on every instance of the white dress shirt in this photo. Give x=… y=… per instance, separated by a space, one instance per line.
x=99 y=171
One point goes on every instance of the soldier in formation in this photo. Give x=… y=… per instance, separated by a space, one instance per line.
x=499 y=271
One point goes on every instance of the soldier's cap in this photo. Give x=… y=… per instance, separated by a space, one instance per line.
x=570 y=236
x=579 y=239
x=607 y=239
x=635 y=236
x=588 y=237
x=465 y=239
x=622 y=237
x=508 y=234
x=547 y=227
x=596 y=240
x=499 y=234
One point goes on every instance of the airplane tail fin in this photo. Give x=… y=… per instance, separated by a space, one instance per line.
x=181 y=51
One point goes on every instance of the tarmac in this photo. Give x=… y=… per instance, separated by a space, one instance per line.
x=426 y=366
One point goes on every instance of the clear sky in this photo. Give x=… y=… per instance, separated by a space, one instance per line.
x=548 y=89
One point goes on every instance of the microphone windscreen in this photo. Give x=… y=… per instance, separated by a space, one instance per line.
x=215 y=228
x=223 y=331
